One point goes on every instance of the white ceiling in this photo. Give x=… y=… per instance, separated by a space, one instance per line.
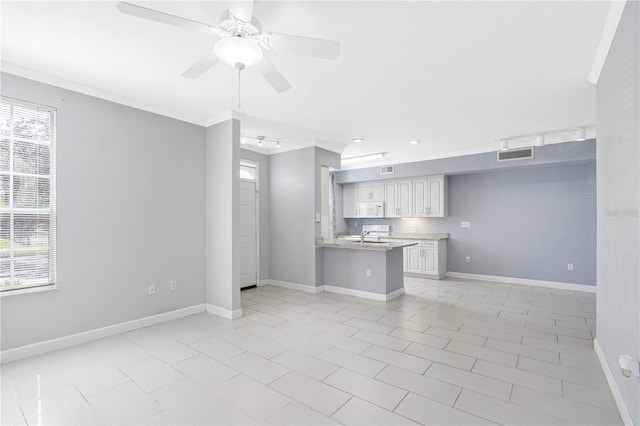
x=454 y=75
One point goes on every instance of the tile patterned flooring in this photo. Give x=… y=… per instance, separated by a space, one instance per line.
x=447 y=352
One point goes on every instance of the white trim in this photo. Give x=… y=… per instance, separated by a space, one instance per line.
x=294 y=286
x=615 y=391
x=608 y=33
x=31 y=74
x=524 y=281
x=98 y=333
x=364 y=294
x=221 y=118
x=28 y=290
x=222 y=312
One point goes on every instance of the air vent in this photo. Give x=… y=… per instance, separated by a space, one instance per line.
x=515 y=154
x=387 y=170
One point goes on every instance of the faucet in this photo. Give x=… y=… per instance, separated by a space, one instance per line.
x=362 y=235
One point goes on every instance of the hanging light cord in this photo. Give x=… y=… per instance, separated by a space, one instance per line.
x=239 y=90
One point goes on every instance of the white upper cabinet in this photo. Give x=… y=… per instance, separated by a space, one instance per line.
x=430 y=197
x=397 y=198
x=349 y=200
x=370 y=191
x=420 y=197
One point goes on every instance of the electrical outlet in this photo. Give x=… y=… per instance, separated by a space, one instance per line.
x=367 y=272
x=468 y=259
x=173 y=285
x=569 y=266
x=465 y=224
x=152 y=289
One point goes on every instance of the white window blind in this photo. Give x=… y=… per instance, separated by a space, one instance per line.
x=27 y=195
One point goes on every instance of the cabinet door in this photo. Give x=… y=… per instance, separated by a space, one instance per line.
x=420 y=191
x=403 y=198
x=377 y=191
x=349 y=200
x=430 y=265
x=435 y=207
x=364 y=192
x=390 y=199
x=414 y=260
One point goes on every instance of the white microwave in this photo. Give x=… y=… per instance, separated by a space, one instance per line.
x=370 y=209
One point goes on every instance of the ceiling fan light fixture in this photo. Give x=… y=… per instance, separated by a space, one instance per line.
x=238 y=52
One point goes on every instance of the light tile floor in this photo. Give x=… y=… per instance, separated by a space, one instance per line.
x=447 y=352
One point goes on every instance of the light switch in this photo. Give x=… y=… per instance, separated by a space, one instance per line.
x=317 y=217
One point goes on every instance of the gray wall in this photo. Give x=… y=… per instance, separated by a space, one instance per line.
x=618 y=308
x=264 y=170
x=130 y=213
x=556 y=154
x=525 y=223
x=292 y=217
x=222 y=215
x=322 y=157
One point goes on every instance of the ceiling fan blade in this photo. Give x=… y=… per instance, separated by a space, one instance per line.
x=316 y=47
x=165 y=18
x=241 y=10
x=203 y=65
x=272 y=75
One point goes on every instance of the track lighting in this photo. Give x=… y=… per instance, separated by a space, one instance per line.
x=548 y=137
x=261 y=140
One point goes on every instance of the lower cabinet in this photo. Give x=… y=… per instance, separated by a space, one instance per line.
x=427 y=259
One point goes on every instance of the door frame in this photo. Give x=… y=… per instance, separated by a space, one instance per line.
x=256 y=181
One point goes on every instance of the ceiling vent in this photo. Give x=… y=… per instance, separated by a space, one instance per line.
x=387 y=170
x=515 y=154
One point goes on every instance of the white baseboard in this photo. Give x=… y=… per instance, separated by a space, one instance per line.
x=98 y=333
x=617 y=396
x=222 y=312
x=364 y=294
x=524 y=281
x=294 y=286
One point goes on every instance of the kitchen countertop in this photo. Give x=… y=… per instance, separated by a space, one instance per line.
x=355 y=245
x=419 y=236
x=409 y=236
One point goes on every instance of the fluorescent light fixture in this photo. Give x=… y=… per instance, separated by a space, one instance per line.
x=414 y=142
x=504 y=144
x=581 y=134
x=357 y=140
x=540 y=140
x=364 y=157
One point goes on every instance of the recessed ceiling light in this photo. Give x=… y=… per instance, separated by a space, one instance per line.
x=414 y=142
x=357 y=140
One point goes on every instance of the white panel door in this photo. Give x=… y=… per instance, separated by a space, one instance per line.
x=436 y=187
x=430 y=261
x=248 y=258
x=414 y=260
x=420 y=190
x=349 y=200
x=390 y=198
x=404 y=198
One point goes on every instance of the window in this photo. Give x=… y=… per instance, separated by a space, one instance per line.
x=27 y=195
x=247 y=172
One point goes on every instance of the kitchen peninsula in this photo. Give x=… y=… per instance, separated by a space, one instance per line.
x=373 y=270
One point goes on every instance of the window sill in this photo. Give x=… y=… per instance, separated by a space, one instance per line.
x=28 y=290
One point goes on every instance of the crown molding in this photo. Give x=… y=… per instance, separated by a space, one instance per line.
x=608 y=33
x=38 y=76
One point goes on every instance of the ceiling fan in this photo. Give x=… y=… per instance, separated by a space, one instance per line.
x=241 y=41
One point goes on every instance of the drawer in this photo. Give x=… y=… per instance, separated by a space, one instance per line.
x=429 y=243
